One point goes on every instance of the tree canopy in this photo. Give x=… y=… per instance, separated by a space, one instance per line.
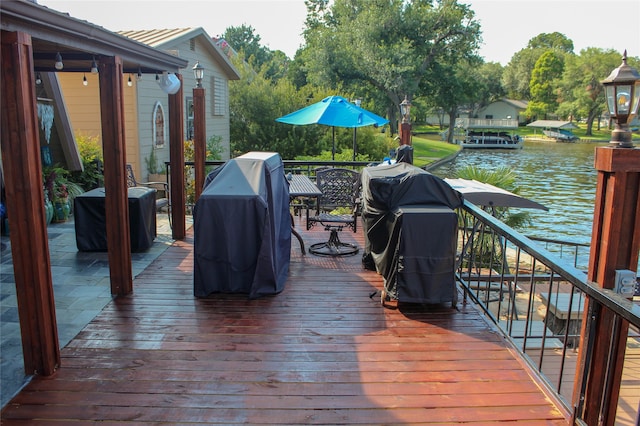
x=383 y=50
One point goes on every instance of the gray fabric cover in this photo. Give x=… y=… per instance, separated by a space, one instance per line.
x=242 y=228
x=410 y=232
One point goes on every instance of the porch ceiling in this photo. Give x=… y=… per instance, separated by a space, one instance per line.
x=79 y=42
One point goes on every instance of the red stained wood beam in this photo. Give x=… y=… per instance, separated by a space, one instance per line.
x=25 y=207
x=115 y=175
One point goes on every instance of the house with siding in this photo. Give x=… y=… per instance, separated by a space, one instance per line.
x=504 y=109
x=146 y=109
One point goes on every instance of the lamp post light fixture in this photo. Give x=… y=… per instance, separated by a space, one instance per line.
x=405 y=110
x=405 y=126
x=198 y=73
x=622 y=89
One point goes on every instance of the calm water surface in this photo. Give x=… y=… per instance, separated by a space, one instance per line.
x=560 y=176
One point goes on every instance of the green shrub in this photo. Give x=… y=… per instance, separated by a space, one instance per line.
x=213 y=152
x=91 y=156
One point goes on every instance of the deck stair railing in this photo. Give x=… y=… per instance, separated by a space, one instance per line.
x=537 y=300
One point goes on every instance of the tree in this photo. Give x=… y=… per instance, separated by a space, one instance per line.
x=391 y=46
x=544 y=99
x=517 y=74
x=244 y=40
x=554 y=41
x=582 y=93
x=459 y=84
x=489 y=88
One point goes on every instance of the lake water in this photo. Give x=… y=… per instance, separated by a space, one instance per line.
x=560 y=176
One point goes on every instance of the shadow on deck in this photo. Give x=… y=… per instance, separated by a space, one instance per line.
x=321 y=352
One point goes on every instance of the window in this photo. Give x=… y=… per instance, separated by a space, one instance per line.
x=158 y=125
x=189 y=127
x=219 y=96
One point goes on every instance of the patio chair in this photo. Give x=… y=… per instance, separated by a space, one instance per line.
x=161 y=188
x=337 y=208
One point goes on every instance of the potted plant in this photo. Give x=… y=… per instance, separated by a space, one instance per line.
x=156 y=170
x=60 y=191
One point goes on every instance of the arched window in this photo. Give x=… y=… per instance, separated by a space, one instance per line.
x=158 y=125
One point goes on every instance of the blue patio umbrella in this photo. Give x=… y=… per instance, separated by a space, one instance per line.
x=334 y=111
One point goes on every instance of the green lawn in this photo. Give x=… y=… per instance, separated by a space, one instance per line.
x=429 y=148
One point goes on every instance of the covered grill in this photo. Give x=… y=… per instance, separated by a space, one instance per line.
x=410 y=232
x=243 y=228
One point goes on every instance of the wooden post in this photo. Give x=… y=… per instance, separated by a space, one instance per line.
x=405 y=133
x=115 y=175
x=25 y=207
x=176 y=153
x=615 y=244
x=199 y=137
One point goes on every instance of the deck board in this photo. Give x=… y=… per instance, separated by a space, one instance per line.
x=321 y=352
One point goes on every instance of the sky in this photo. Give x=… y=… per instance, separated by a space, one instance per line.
x=507 y=25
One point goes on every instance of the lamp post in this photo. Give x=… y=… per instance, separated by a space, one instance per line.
x=199 y=129
x=198 y=73
x=622 y=89
x=615 y=244
x=405 y=126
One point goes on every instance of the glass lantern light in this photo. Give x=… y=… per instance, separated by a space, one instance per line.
x=405 y=110
x=622 y=90
x=198 y=73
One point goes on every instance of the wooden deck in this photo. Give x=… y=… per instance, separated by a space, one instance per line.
x=321 y=352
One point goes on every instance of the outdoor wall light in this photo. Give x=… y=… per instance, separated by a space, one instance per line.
x=139 y=76
x=198 y=73
x=59 y=65
x=84 y=80
x=94 y=66
x=169 y=83
x=622 y=89
x=38 y=79
x=405 y=109
x=129 y=82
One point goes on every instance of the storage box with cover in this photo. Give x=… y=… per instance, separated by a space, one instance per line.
x=410 y=232
x=242 y=228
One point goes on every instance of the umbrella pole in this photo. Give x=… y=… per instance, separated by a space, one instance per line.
x=354 y=143
x=333 y=146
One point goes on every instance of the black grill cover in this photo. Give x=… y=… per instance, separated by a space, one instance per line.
x=91 y=219
x=242 y=228
x=405 y=154
x=410 y=231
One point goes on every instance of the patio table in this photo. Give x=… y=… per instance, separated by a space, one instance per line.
x=300 y=186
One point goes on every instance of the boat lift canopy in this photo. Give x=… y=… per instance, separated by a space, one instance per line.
x=552 y=124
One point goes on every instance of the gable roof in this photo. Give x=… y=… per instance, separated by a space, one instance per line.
x=171 y=38
x=516 y=103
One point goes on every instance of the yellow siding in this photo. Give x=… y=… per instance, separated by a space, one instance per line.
x=83 y=106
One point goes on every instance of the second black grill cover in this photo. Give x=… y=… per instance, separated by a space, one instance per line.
x=388 y=192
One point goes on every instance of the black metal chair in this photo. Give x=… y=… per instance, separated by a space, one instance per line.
x=337 y=208
x=161 y=188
